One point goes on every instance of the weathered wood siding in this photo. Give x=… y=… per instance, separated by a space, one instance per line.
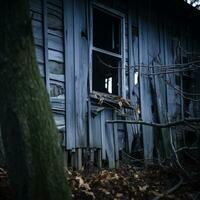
x=48 y=31
x=152 y=39
x=163 y=40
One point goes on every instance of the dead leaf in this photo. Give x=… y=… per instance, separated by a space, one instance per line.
x=118 y=195
x=81 y=181
x=89 y=193
x=143 y=188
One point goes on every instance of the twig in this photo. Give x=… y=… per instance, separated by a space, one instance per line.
x=175 y=153
x=186 y=148
x=169 y=72
x=179 y=90
x=169 y=66
x=174 y=188
x=181 y=93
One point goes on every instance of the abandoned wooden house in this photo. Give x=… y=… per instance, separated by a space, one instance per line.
x=120 y=75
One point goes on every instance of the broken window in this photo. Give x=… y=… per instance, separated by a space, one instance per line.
x=107 y=51
x=105 y=78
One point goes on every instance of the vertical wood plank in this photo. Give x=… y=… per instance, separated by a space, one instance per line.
x=116 y=142
x=103 y=136
x=81 y=72
x=70 y=74
x=145 y=90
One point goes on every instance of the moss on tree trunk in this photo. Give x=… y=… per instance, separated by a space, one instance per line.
x=29 y=133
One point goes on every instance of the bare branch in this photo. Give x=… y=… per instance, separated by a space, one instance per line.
x=166 y=125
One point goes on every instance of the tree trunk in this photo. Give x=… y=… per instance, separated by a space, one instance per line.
x=29 y=133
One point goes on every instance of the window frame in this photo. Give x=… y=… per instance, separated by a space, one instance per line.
x=121 y=71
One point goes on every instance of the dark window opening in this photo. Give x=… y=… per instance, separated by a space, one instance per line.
x=106 y=31
x=107 y=52
x=105 y=73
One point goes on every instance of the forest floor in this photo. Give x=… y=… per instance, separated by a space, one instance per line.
x=126 y=182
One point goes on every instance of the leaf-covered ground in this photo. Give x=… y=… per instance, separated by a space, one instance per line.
x=124 y=183
x=128 y=183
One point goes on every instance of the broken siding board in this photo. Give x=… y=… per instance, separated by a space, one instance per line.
x=116 y=140
x=121 y=134
x=57 y=88
x=96 y=132
x=109 y=139
x=103 y=136
x=70 y=74
x=130 y=136
x=121 y=131
x=81 y=72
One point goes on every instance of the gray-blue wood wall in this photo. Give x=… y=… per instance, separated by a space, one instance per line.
x=63 y=55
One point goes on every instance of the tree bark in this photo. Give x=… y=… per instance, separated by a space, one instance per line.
x=29 y=133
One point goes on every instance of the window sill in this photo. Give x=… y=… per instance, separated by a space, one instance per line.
x=110 y=100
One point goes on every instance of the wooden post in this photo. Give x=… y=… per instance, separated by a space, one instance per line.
x=116 y=145
x=92 y=155
x=65 y=155
x=73 y=159
x=99 y=159
x=79 y=158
